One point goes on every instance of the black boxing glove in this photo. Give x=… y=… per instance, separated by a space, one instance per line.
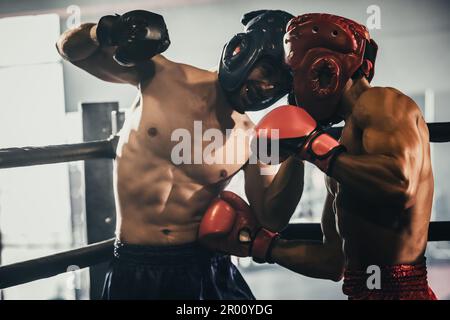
x=139 y=35
x=107 y=29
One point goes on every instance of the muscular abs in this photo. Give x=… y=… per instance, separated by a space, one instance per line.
x=160 y=203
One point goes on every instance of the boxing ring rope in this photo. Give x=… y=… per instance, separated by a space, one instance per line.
x=51 y=265
x=30 y=156
x=439 y=131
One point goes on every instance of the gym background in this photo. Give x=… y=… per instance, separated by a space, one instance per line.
x=43 y=208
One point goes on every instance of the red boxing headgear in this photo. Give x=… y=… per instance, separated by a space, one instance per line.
x=324 y=51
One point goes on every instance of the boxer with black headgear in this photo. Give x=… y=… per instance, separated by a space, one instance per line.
x=161 y=200
x=380 y=179
x=259 y=47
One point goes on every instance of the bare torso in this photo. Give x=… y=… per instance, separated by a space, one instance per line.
x=374 y=233
x=158 y=202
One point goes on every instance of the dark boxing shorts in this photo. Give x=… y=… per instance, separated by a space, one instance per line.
x=398 y=282
x=185 y=272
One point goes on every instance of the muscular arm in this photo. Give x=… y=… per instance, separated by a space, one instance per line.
x=274 y=197
x=79 y=47
x=323 y=260
x=389 y=171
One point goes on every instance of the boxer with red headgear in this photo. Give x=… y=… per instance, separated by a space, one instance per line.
x=324 y=52
x=379 y=174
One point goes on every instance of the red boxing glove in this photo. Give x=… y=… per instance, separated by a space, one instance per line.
x=230 y=226
x=300 y=135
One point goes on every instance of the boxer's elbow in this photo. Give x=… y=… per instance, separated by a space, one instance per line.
x=401 y=191
x=336 y=275
x=71 y=44
x=61 y=47
x=335 y=267
x=405 y=196
x=67 y=49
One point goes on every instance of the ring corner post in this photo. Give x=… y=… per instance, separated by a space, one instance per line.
x=99 y=197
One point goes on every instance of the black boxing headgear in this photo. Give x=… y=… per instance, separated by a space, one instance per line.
x=262 y=38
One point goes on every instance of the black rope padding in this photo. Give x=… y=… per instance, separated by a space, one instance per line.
x=30 y=156
x=52 y=265
x=35 y=269
x=438 y=231
x=439 y=131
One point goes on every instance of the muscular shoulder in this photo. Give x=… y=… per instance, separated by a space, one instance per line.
x=158 y=67
x=384 y=106
x=162 y=63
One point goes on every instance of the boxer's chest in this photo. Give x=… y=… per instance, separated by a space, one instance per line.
x=192 y=140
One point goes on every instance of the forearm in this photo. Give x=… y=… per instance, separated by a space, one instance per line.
x=283 y=194
x=375 y=177
x=316 y=260
x=78 y=43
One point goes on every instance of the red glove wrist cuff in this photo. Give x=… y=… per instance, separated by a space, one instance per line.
x=262 y=246
x=322 y=150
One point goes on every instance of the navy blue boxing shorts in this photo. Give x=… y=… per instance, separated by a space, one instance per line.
x=182 y=272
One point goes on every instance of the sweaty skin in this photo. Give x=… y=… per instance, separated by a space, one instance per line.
x=380 y=192
x=158 y=202
x=384 y=193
